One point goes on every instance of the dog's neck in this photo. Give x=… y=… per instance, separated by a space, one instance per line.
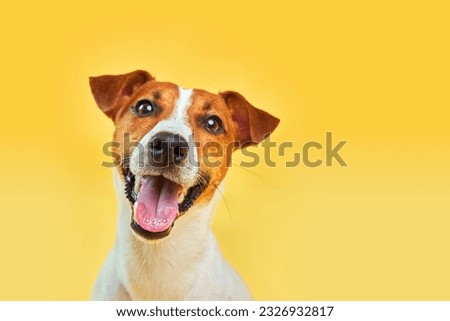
x=165 y=267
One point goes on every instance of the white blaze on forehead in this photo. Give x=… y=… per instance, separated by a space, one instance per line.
x=178 y=121
x=183 y=103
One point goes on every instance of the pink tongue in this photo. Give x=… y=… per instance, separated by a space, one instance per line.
x=157 y=205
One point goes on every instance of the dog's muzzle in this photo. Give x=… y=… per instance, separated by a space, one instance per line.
x=156 y=192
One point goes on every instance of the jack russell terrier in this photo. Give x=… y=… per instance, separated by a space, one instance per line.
x=168 y=187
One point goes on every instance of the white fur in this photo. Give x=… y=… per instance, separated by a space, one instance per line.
x=186 y=265
x=183 y=103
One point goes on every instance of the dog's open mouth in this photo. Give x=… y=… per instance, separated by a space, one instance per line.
x=157 y=202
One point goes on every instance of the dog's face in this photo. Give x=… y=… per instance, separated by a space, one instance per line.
x=186 y=138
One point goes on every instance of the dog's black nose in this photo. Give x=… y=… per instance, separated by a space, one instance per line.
x=166 y=149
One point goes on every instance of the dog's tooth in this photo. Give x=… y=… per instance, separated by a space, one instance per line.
x=135 y=209
x=137 y=184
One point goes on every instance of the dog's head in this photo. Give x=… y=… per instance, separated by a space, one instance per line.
x=175 y=144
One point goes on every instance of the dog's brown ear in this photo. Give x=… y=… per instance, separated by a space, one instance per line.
x=253 y=125
x=108 y=89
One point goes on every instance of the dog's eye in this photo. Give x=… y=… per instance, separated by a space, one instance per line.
x=213 y=124
x=144 y=108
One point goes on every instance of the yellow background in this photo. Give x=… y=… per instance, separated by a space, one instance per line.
x=375 y=73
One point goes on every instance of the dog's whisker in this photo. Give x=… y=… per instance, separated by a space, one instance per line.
x=204 y=181
x=201 y=180
x=126 y=161
x=226 y=204
x=247 y=170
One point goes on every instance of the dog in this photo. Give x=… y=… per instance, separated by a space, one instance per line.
x=169 y=184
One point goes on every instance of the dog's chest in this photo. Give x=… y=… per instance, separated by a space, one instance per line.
x=163 y=273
